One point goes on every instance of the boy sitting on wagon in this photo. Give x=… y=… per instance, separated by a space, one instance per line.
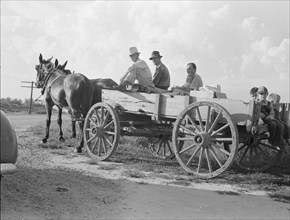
x=267 y=114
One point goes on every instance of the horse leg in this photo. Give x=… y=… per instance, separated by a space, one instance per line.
x=48 y=107
x=73 y=128
x=59 y=122
x=81 y=128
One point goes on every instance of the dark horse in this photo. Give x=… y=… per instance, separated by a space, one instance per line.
x=72 y=91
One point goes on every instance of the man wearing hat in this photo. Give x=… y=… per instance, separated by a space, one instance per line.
x=161 y=77
x=139 y=71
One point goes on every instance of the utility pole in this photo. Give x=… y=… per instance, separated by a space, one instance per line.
x=31 y=93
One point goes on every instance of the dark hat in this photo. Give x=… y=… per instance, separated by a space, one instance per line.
x=262 y=90
x=155 y=54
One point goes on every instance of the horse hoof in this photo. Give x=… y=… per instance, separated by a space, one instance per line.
x=44 y=141
x=78 y=150
x=61 y=139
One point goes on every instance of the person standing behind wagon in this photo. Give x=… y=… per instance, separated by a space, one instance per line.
x=161 y=77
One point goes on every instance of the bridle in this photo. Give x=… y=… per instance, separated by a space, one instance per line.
x=43 y=82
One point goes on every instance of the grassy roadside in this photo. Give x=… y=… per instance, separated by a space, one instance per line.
x=135 y=156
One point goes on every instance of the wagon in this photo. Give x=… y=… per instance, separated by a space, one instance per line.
x=204 y=131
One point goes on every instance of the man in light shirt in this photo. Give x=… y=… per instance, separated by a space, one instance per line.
x=193 y=80
x=139 y=71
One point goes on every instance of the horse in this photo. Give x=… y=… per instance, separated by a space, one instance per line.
x=73 y=91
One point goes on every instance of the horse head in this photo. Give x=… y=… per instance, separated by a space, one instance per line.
x=62 y=68
x=46 y=65
x=40 y=76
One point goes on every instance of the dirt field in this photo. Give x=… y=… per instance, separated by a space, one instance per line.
x=52 y=182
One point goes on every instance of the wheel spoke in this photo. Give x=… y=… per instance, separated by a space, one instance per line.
x=106 y=118
x=97 y=115
x=221 y=129
x=99 y=148
x=91 y=120
x=215 y=156
x=102 y=115
x=244 y=154
x=104 y=145
x=108 y=141
x=95 y=144
x=214 y=123
x=269 y=146
x=185 y=138
x=108 y=125
x=222 y=139
x=251 y=157
x=207 y=119
x=187 y=148
x=208 y=160
x=92 y=138
x=264 y=152
x=110 y=133
x=169 y=148
x=200 y=160
x=193 y=123
x=188 y=130
x=199 y=118
x=192 y=156
x=257 y=156
x=221 y=149
x=242 y=147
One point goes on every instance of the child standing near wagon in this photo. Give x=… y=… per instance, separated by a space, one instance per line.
x=267 y=114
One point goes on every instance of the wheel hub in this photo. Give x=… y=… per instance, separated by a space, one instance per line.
x=99 y=131
x=202 y=139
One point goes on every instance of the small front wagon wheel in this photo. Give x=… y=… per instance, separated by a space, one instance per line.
x=205 y=128
x=101 y=131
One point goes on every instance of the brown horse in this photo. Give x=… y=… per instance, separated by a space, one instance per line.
x=72 y=91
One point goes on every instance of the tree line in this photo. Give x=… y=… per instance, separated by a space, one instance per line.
x=19 y=105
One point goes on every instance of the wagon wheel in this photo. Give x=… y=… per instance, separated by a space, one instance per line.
x=162 y=146
x=101 y=131
x=206 y=127
x=256 y=154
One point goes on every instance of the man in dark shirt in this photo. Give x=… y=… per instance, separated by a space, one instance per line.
x=161 y=78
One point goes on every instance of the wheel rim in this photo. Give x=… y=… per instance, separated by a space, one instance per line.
x=257 y=154
x=101 y=131
x=205 y=128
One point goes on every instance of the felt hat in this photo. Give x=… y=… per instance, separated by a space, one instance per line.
x=133 y=50
x=155 y=54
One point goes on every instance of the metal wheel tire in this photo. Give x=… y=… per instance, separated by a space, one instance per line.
x=257 y=154
x=205 y=127
x=162 y=147
x=101 y=131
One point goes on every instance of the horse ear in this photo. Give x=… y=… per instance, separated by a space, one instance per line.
x=40 y=58
x=63 y=66
x=56 y=63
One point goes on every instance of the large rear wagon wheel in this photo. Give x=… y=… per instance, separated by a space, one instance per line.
x=101 y=131
x=205 y=128
x=256 y=154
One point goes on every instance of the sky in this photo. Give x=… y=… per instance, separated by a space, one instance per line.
x=236 y=44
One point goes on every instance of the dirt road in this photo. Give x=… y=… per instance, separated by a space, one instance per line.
x=50 y=184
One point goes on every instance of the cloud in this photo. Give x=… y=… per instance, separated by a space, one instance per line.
x=220 y=12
